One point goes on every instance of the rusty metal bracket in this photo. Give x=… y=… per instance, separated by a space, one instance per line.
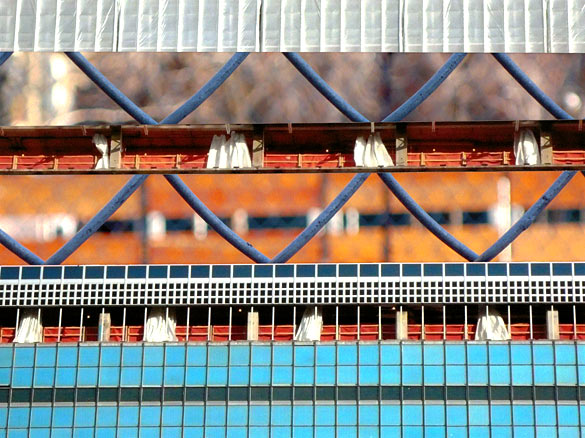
x=546 y=145
x=401 y=146
x=116 y=147
x=258 y=148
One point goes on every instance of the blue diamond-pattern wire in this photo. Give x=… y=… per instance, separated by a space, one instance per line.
x=356 y=182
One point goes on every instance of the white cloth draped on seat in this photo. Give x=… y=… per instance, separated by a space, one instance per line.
x=311 y=325
x=526 y=148
x=491 y=326
x=371 y=153
x=160 y=326
x=229 y=153
x=30 y=327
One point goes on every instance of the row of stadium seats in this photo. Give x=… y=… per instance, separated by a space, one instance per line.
x=364 y=332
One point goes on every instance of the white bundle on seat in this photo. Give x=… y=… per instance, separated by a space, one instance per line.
x=526 y=148
x=214 y=151
x=491 y=326
x=311 y=325
x=239 y=151
x=229 y=154
x=101 y=143
x=372 y=153
x=30 y=328
x=358 y=151
x=160 y=325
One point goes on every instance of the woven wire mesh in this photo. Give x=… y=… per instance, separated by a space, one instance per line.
x=399 y=245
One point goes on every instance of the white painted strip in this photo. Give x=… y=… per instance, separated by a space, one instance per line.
x=525 y=26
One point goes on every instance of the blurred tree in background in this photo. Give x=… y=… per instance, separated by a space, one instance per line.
x=49 y=89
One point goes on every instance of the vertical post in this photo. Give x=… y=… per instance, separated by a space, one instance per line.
x=552 y=324
x=145 y=321
x=444 y=323
x=124 y=325
x=574 y=322
x=530 y=322
x=487 y=317
x=209 y=328
x=16 y=322
x=272 y=333
x=358 y=323
x=252 y=329
x=81 y=326
x=379 y=323
x=337 y=323
x=188 y=324
x=39 y=320
x=466 y=328
x=294 y=321
x=401 y=324
x=230 y=325
x=59 y=328
x=104 y=326
x=422 y=323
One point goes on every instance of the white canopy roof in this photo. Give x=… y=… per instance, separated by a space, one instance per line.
x=293 y=25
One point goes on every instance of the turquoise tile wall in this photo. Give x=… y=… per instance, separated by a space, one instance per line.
x=293 y=390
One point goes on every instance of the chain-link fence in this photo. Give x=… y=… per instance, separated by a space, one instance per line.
x=157 y=226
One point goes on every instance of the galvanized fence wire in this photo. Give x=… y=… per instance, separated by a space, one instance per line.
x=338 y=202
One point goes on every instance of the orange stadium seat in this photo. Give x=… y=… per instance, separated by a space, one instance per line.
x=433 y=332
x=198 y=333
x=388 y=331
x=265 y=333
x=67 y=334
x=348 y=332
x=7 y=334
x=521 y=331
x=91 y=333
x=414 y=332
x=328 y=333
x=284 y=333
x=117 y=333
x=368 y=332
x=181 y=332
x=134 y=333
